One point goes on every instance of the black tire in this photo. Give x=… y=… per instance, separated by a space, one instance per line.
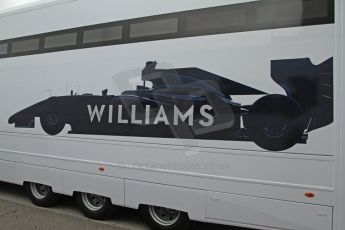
x=275 y=122
x=159 y=218
x=52 y=123
x=94 y=206
x=41 y=195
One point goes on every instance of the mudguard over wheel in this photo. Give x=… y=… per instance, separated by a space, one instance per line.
x=160 y=218
x=275 y=122
x=41 y=195
x=52 y=123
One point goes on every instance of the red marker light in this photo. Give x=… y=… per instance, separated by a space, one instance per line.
x=309 y=194
x=101 y=168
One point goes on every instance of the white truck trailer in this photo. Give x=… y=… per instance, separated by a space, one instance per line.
x=223 y=111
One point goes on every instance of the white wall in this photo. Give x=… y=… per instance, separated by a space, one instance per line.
x=6 y=4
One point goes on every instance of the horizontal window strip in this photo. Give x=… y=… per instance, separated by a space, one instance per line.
x=157 y=27
x=25 y=45
x=217 y=20
x=241 y=17
x=3 y=49
x=294 y=10
x=61 y=40
x=103 y=34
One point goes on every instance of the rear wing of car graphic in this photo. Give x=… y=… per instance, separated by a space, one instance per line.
x=309 y=85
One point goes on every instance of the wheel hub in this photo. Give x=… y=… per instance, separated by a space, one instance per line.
x=275 y=128
x=164 y=216
x=40 y=191
x=93 y=202
x=53 y=119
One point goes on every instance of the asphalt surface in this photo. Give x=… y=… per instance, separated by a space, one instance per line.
x=17 y=213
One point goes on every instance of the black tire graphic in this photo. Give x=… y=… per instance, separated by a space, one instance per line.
x=276 y=122
x=52 y=123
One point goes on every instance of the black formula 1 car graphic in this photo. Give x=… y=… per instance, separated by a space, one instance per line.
x=194 y=103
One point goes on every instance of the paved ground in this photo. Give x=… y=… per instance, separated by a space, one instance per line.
x=17 y=213
x=17 y=216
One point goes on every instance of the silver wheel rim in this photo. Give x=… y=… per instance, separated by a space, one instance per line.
x=164 y=216
x=93 y=202
x=40 y=191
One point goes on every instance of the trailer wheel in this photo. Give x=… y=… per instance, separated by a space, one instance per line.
x=52 y=123
x=41 y=195
x=95 y=206
x=275 y=122
x=160 y=218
